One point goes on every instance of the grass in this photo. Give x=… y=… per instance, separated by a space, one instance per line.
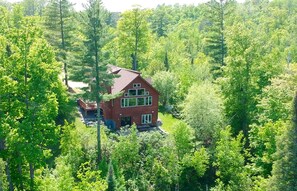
x=79 y=124
x=168 y=122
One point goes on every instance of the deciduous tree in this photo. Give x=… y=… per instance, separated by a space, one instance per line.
x=133 y=37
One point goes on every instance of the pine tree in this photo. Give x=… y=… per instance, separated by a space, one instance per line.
x=111 y=178
x=284 y=174
x=59 y=27
x=94 y=68
x=216 y=45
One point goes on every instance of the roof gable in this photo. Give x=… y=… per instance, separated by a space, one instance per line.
x=125 y=78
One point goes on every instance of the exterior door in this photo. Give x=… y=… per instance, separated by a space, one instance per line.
x=125 y=121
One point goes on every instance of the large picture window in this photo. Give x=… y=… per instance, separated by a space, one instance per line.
x=132 y=102
x=139 y=101
x=146 y=118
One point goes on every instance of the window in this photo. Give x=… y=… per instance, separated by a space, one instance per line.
x=141 y=101
x=148 y=100
x=146 y=118
x=136 y=85
x=140 y=92
x=133 y=102
x=132 y=92
x=124 y=102
x=147 y=93
x=137 y=92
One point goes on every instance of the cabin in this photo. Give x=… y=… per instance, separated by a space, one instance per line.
x=137 y=104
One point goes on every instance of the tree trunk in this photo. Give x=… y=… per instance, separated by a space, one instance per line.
x=222 y=35
x=63 y=43
x=97 y=97
x=21 y=176
x=11 y=188
x=31 y=176
x=166 y=63
x=135 y=67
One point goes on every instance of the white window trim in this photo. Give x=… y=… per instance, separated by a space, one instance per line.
x=136 y=85
x=144 y=92
x=148 y=101
x=146 y=119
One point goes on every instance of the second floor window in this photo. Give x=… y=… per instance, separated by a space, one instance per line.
x=136 y=101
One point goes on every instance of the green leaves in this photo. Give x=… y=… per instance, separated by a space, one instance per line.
x=230 y=163
x=199 y=161
x=166 y=84
x=202 y=110
x=133 y=38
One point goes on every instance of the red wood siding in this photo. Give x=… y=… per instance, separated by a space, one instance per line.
x=115 y=111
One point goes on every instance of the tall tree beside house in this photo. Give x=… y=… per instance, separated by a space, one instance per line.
x=59 y=25
x=95 y=69
x=133 y=37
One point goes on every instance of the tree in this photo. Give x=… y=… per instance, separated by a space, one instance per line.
x=59 y=178
x=94 y=22
x=3 y=182
x=283 y=173
x=251 y=71
x=216 y=46
x=133 y=36
x=229 y=161
x=166 y=84
x=126 y=154
x=59 y=25
x=263 y=146
x=276 y=99
x=30 y=106
x=202 y=110
x=240 y=93
x=183 y=137
x=90 y=179
x=111 y=178
x=34 y=7
x=160 y=19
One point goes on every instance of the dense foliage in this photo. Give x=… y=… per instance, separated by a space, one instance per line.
x=225 y=70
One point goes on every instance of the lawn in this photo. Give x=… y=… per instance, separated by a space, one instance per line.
x=168 y=122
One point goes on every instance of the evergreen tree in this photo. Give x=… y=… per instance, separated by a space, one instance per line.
x=284 y=174
x=111 y=178
x=216 y=45
x=95 y=69
x=59 y=27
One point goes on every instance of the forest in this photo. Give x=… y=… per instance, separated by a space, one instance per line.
x=225 y=71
